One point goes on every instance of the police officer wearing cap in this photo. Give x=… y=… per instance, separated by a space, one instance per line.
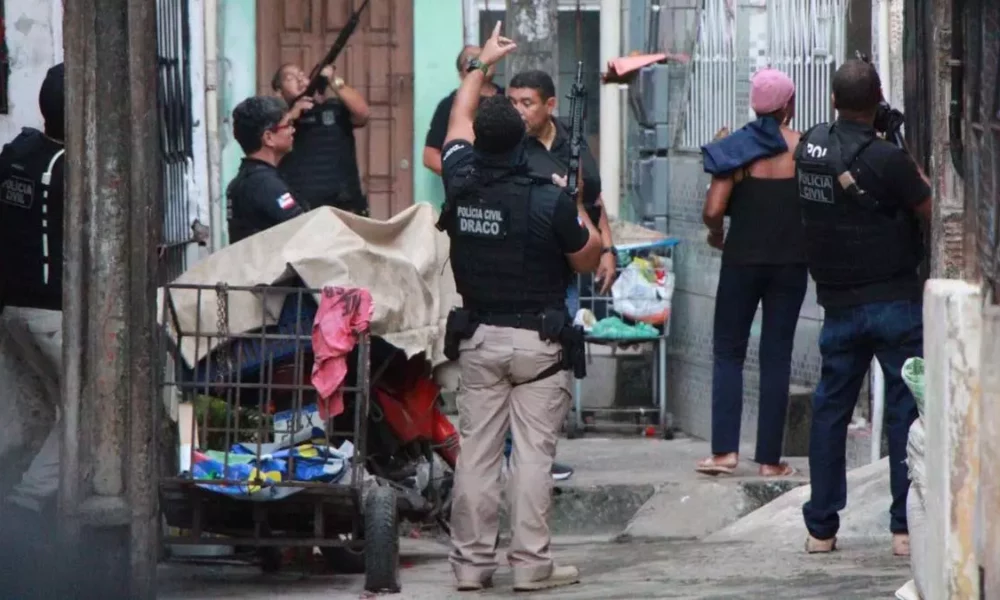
x=515 y=242
x=32 y=175
x=862 y=199
x=258 y=198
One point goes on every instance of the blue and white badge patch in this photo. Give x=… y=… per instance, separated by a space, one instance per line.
x=482 y=220
x=286 y=202
x=17 y=191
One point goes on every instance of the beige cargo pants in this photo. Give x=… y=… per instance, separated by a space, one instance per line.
x=492 y=362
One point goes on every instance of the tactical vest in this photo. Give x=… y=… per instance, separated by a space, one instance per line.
x=31 y=222
x=322 y=168
x=503 y=258
x=853 y=236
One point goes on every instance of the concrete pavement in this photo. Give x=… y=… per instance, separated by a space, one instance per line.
x=628 y=519
x=677 y=569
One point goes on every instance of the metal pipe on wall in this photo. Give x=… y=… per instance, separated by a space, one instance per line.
x=217 y=223
x=610 y=111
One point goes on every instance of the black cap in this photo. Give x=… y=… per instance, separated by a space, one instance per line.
x=52 y=102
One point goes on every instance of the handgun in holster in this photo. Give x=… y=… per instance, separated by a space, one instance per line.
x=459 y=326
x=556 y=327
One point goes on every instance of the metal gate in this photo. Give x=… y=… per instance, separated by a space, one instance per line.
x=173 y=45
x=982 y=131
x=803 y=38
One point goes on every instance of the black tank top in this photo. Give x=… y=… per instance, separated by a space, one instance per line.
x=765 y=224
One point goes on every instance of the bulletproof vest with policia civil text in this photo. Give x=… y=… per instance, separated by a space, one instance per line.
x=854 y=235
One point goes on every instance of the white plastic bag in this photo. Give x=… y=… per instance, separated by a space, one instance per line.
x=638 y=299
x=916 y=507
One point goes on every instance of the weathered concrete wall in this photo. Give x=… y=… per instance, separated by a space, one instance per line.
x=952 y=343
x=989 y=454
x=950 y=235
x=690 y=361
x=34 y=41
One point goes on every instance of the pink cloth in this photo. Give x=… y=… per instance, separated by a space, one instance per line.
x=770 y=90
x=344 y=313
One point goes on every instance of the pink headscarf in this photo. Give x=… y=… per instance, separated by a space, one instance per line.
x=770 y=90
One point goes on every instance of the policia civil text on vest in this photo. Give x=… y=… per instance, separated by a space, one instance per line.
x=490 y=218
x=854 y=235
x=31 y=210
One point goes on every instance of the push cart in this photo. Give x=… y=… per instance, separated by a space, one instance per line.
x=640 y=418
x=257 y=467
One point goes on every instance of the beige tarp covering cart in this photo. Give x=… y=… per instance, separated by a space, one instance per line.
x=402 y=262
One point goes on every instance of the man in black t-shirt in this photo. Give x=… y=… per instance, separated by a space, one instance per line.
x=258 y=198
x=322 y=168
x=862 y=199
x=547 y=150
x=439 y=122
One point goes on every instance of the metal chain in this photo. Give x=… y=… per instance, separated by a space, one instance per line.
x=222 y=323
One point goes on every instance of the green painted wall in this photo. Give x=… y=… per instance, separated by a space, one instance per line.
x=237 y=76
x=437 y=38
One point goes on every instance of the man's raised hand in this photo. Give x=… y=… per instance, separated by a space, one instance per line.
x=496 y=47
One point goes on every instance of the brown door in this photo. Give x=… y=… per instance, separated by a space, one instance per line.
x=378 y=62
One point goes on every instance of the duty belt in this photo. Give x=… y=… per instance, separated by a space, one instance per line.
x=532 y=322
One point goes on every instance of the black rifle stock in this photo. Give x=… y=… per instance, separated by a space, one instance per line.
x=315 y=79
x=577 y=102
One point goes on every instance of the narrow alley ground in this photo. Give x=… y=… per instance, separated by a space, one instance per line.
x=610 y=570
x=633 y=519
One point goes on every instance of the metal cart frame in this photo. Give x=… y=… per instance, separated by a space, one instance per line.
x=316 y=513
x=578 y=425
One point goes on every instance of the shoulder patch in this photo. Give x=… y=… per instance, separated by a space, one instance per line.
x=453 y=150
x=286 y=202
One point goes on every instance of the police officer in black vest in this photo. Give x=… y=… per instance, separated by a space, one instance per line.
x=258 y=198
x=322 y=169
x=32 y=169
x=515 y=242
x=862 y=199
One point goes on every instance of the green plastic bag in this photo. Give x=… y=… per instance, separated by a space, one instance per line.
x=913 y=376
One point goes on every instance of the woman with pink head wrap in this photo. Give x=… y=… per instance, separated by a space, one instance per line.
x=763 y=263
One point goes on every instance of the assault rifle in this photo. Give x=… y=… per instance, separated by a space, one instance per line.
x=888 y=120
x=577 y=102
x=315 y=79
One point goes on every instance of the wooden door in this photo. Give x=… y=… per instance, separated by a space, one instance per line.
x=378 y=62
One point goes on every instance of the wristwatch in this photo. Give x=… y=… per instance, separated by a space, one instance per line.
x=610 y=250
x=475 y=63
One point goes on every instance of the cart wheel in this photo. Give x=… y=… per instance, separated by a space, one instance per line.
x=381 y=541
x=270 y=559
x=342 y=559
x=668 y=433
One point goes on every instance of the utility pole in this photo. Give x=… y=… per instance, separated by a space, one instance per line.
x=534 y=27
x=107 y=496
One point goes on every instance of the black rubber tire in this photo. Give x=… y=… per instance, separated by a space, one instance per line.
x=668 y=433
x=271 y=559
x=381 y=541
x=341 y=559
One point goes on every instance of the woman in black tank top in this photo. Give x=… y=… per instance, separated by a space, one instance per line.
x=763 y=263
